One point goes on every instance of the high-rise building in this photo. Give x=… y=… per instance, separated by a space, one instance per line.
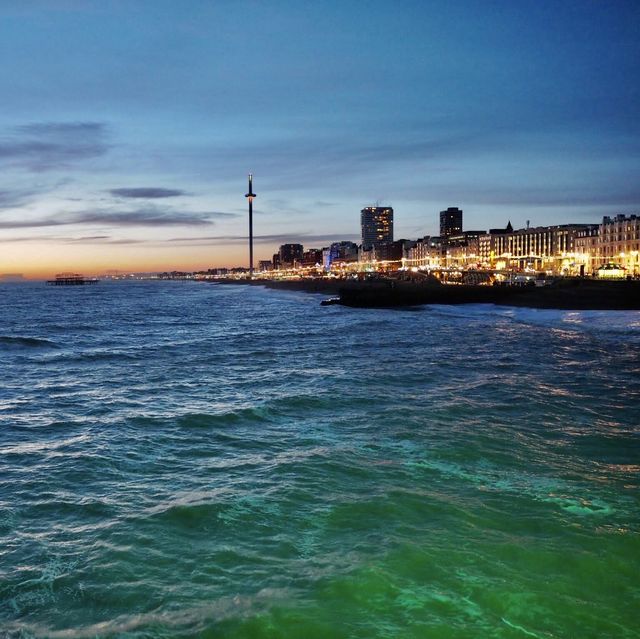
x=290 y=253
x=377 y=225
x=450 y=222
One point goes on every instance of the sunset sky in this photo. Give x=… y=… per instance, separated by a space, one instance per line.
x=127 y=128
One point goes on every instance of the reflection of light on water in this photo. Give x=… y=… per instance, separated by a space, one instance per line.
x=564 y=333
x=556 y=391
x=573 y=318
x=602 y=321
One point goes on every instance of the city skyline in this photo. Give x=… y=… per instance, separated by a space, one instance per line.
x=129 y=129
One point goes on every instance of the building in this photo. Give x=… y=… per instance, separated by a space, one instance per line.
x=376 y=223
x=426 y=253
x=586 y=249
x=265 y=265
x=619 y=243
x=312 y=257
x=463 y=250
x=568 y=249
x=290 y=254
x=549 y=248
x=366 y=255
x=389 y=251
x=487 y=245
x=339 y=253
x=450 y=222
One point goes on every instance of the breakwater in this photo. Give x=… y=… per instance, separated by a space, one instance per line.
x=563 y=294
x=566 y=294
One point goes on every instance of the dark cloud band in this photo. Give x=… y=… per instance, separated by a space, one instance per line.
x=147 y=192
x=47 y=146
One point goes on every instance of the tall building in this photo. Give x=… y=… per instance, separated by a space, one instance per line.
x=450 y=222
x=376 y=223
x=290 y=253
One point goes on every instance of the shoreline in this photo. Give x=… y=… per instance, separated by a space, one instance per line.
x=566 y=294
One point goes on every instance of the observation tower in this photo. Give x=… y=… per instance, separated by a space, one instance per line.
x=250 y=195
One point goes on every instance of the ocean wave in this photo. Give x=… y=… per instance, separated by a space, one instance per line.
x=26 y=342
x=95 y=356
x=45 y=446
x=575 y=322
x=161 y=622
x=199 y=420
x=195 y=515
x=269 y=411
x=62 y=508
x=571 y=497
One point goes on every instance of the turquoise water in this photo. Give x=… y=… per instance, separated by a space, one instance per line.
x=193 y=460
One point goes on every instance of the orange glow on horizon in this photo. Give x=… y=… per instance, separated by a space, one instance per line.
x=35 y=260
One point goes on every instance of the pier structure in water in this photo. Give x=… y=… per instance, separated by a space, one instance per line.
x=72 y=279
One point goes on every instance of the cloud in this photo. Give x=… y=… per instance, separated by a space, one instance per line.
x=89 y=239
x=29 y=238
x=284 y=238
x=279 y=205
x=45 y=146
x=365 y=159
x=145 y=216
x=30 y=224
x=323 y=204
x=13 y=198
x=150 y=216
x=151 y=192
x=121 y=240
x=18 y=196
x=546 y=195
x=343 y=162
x=60 y=129
x=99 y=239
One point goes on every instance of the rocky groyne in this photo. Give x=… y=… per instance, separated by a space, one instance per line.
x=562 y=293
x=569 y=294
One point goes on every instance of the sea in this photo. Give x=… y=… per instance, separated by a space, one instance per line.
x=190 y=459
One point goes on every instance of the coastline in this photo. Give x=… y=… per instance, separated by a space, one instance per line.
x=565 y=294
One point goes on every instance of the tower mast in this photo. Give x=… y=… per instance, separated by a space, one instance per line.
x=250 y=195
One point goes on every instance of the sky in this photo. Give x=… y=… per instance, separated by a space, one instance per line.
x=128 y=127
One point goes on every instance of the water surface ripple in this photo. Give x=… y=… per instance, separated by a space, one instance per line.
x=194 y=460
